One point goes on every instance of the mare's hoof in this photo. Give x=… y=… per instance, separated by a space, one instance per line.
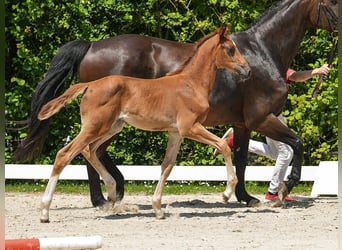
x=99 y=202
x=254 y=203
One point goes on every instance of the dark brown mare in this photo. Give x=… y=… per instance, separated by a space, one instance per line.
x=269 y=46
x=177 y=103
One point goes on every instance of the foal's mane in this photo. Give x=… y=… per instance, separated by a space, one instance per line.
x=198 y=44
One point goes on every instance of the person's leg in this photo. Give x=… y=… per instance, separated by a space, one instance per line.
x=267 y=149
x=275 y=150
x=283 y=160
x=285 y=154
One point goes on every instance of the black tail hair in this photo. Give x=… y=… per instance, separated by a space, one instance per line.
x=66 y=61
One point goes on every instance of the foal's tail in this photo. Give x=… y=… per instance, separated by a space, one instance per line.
x=53 y=106
x=66 y=61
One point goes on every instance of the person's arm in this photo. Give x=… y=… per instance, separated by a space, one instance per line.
x=302 y=76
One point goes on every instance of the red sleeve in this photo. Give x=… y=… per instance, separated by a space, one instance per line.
x=289 y=72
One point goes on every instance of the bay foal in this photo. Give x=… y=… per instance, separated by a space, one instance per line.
x=177 y=103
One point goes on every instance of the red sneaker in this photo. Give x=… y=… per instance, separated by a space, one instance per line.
x=229 y=136
x=287 y=198
x=270 y=197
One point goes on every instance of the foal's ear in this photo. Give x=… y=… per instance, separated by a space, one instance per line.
x=227 y=31
x=224 y=33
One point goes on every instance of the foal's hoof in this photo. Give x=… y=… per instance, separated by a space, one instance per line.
x=274 y=203
x=44 y=220
x=225 y=197
x=160 y=215
x=107 y=206
x=282 y=192
x=111 y=199
x=44 y=215
x=156 y=205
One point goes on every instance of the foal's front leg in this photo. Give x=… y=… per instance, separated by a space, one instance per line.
x=172 y=149
x=199 y=133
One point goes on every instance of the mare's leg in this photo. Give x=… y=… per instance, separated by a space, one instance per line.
x=172 y=149
x=96 y=196
x=275 y=129
x=63 y=157
x=241 y=141
x=199 y=133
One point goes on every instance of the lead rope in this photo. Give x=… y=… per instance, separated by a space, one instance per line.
x=330 y=60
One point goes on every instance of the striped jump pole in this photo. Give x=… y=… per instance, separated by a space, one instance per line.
x=86 y=242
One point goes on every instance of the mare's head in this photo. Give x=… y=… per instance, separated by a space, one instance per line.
x=228 y=55
x=324 y=14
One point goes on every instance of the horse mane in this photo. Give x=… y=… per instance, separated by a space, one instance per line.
x=198 y=44
x=270 y=12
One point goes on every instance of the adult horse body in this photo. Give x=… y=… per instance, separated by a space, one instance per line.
x=177 y=103
x=269 y=46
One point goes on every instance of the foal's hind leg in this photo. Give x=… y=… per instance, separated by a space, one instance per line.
x=199 y=133
x=173 y=144
x=96 y=195
x=90 y=154
x=63 y=157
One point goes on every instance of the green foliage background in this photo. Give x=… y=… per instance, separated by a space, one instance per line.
x=36 y=29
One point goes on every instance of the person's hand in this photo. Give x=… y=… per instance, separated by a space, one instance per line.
x=323 y=70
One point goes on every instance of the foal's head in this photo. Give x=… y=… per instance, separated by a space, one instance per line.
x=228 y=55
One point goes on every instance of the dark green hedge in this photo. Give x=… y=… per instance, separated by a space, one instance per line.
x=35 y=30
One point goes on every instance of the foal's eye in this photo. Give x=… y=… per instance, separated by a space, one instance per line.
x=230 y=51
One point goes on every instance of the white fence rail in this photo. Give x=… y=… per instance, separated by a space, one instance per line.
x=325 y=176
x=151 y=173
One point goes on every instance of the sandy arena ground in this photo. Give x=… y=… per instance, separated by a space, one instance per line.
x=192 y=222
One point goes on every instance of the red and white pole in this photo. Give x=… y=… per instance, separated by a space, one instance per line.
x=87 y=242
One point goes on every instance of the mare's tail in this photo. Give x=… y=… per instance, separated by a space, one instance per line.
x=53 y=106
x=66 y=61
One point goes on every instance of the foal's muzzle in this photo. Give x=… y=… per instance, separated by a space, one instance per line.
x=244 y=72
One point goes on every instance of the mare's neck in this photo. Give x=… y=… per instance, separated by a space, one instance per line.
x=281 y=32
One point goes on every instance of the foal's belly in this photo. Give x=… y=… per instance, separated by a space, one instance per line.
x=150 y=123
